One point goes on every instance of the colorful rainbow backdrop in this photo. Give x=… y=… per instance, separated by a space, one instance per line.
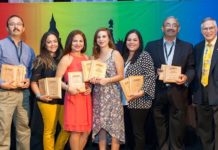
x=147 y=17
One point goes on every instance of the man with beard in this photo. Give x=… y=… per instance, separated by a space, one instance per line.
x=14 y=98
x=171 y=99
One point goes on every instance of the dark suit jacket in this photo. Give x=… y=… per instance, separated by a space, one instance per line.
x=183 y=56
x=213 y=75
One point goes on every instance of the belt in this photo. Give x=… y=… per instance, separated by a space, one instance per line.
x=15 y=90
x=168 y=85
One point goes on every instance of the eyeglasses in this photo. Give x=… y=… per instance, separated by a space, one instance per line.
x=15 y=24
x=208 y=28
x=168 y=25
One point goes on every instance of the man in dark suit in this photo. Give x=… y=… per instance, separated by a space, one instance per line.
x=171 y=98
x=206 y=85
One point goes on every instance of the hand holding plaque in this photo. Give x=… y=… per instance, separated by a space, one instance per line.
x=50 y=87
x=170 y=74
x=131 y=85
x=75 y=81
x=93 y=69
x=13 y=73
x=98 y=69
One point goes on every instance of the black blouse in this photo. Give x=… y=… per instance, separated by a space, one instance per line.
x=42 y=72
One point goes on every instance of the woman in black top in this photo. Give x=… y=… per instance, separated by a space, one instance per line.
x=51 y=109
x=138 y=63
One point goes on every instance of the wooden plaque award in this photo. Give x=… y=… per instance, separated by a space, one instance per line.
x=86 y=67
x=169 y=73
x=136 y=83
x=13 y=73
x=131 y=85
x=125 y=87
x=50 y=87
x=75 y=80
x=98 y=69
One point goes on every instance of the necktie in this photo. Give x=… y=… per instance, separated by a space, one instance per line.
x=206 y=65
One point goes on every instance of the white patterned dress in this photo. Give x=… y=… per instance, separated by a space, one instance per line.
x=107 y=107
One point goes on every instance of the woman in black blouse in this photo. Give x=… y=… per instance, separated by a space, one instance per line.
x=138 y=62
x=51 y=109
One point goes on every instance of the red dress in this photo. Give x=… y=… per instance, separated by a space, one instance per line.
x=77 y=108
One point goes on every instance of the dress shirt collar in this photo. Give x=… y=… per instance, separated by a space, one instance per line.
x=167 y=42
x=212 y=43
x=19 y=43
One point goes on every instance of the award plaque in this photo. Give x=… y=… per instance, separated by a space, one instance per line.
x=50 y=87
x=98 y=69
x=131 y=85
x=172 y=74
x=75 y=80
x=162 y=72
x=125 y=87
x=136 y=83
x=13 y=73
x=169 y=74
x=86 y=66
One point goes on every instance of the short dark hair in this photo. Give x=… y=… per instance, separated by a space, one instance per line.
x=12 y=16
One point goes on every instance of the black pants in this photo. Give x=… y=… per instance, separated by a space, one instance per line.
x=207 y=126
x=129 y=142
x=207 y=123
x=169 y=115
x=138 y=119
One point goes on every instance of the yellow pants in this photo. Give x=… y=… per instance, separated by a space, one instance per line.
x=51 y=114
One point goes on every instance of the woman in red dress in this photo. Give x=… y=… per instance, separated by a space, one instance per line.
x=77 y=105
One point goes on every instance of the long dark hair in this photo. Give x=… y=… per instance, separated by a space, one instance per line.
x=125 y=50
x=96 y=48
x=69 y=40
x=45 y=58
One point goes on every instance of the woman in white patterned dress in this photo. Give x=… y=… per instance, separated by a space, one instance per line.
x=107 y=107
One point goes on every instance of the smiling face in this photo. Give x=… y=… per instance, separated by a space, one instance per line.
x=170 y=27
x=209 y=30
x=15 y=26
x=103 y=39
x=132 y=42
x=51 y=44
x=77 y=43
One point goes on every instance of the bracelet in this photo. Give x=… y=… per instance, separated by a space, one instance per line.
x=38 y=95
